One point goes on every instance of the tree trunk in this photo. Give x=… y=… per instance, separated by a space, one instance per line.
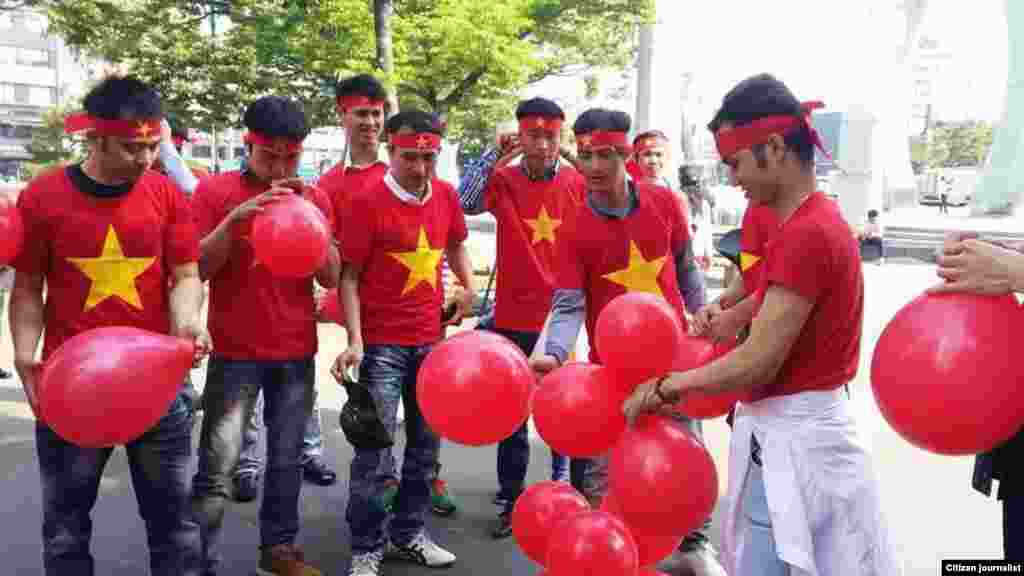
x=382 y=13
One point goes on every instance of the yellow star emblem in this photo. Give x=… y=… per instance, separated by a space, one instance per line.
x=421 y=262
x=143 y=129
x=748 y=261
x=640 y=275
x=543 y=225
x=112 y=273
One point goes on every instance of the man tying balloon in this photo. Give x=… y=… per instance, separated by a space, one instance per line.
x=628 y=236
x=391 y=294
x=262 y=317
x=106 y=238
x=802 y=495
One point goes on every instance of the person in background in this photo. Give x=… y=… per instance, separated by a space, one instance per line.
x=871 y=236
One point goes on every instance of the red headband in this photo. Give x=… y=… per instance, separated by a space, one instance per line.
x=417 y=141
x=731 y=140
x=546 y=123
x=180 y=140
x=603 y=139
x=148 y=129
x=359 y=101
x=279 y=145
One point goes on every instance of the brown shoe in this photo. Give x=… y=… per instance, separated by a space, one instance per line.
x=284 y=560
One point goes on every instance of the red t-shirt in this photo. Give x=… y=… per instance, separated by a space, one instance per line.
x=254 y=315
x=341 y=182
x=530 y=219
x=607 y=257
x=815 y=256
x=106 y=261
x=399 y=246
x=760 y=226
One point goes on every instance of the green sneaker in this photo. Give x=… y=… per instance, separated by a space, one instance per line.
x=386 y=497
x=441 y=501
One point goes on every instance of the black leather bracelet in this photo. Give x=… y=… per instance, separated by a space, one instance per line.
x=658 y=392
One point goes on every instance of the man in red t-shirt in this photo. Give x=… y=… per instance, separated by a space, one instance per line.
x=627 y=236
x=265 y=329
x=391 y=290
x=113 y=243
x=802 y=493
x=530 y=201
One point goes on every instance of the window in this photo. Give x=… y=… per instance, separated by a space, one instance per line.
x=7 y=54
x=37 y=58
x=200 y=151
x=20 y=94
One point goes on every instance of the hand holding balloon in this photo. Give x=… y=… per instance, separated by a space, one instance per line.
x=978 y=267
x=255 y=204
x=28 y=372
x=200 y=337
x=544 y=364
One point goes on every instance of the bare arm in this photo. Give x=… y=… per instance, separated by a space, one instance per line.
x=215 y=247
x=328 y=275
x=186 y=298
x=349 y=293
x=26 y=319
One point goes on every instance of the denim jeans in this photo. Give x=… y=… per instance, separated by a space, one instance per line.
x=1013 y=527
x=251 y=461
x=389 y=372
x=514 y=451
x=232 y=387
x=159 y=461
x=760 y=556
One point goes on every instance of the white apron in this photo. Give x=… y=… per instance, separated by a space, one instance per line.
x=820 y=485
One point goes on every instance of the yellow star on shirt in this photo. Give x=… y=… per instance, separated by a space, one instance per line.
x=748 y=261
x=640 y=275
x=543 y=225
x=112 y=273
x=421 y=262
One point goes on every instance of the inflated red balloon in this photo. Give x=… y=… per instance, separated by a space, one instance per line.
x=537 y=510
x=475 y=388
x=108 y=386
x=594 y=543
x=668 y=474
x=651 y=547
x=698 y=404
x=12 y=231
x=331 y=309
x=291 y=237
x=638 y=335
x=946 y=372
x=578 y=410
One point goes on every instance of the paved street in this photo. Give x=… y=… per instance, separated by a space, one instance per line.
x=933 y=512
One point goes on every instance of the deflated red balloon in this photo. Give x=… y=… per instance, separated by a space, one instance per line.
x=108 y=386
x=699 y=404
x=638 y=336
x=291 y=237
x=578 y=410
x=594 y=543
x=947 y=369
x=475 y=388
x=537 y=510
x=12 y=231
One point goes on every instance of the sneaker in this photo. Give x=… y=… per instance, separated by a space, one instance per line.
x=284 y=560
x=366 y=564
x=247 y=487
x=423 y=551
x=386 y=497
x=317 y=472
x=441 y=501
x=500 y=501
x=5 y=374
x=503 y=527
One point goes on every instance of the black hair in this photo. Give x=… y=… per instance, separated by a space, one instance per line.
x=650 y=134
x=539 y=107
x=361 y=85
x=872 y=213
x=601 y=119
x=761 y=96
x=417 y=120
x=276 y=117
x=123 y=98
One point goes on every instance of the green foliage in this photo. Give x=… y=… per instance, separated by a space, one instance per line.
x=50 y=145
x=958 y=144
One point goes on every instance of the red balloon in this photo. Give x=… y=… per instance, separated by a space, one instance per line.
x=651 y=547
x=578 y=410
x=638 y=336
x=475 y=388
x=594 y=543
x=668 y=474
x=291 y=237
x=12 y=231
x=537 y=509
x=331 y=309
x=946 y=372
x=701 y=405
x=108 y=386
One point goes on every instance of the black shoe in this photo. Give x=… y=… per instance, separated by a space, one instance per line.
x=502 y=527
x=318 y=473
x=4 y=374
x=247 y=487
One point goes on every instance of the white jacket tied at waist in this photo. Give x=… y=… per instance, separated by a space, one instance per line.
x=820 y=485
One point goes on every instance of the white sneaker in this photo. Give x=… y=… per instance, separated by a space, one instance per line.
x=423 y=551
x=366 y=564
x=400 y=413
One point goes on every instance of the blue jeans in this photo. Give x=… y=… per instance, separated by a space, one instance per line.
x=389 y=372
x=159 y=461
x=232 y=387
x=251 y=461
x=760 y=555
x=514 y=451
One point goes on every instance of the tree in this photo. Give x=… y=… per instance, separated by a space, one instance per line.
x=958 y=144
x=49 y=144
